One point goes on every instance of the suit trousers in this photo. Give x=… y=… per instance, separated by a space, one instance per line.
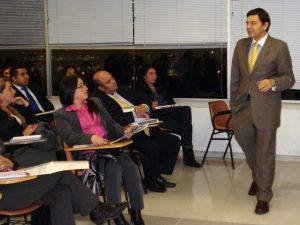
x=160 y=151
x=179 y=120
x=124 y=170
x=63 y=192
x=259 y=147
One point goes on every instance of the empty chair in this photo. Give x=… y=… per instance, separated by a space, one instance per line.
x=221 y=121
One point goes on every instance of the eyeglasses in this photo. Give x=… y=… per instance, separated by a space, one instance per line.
x=81 y=86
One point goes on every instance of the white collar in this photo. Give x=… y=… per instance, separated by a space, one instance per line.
x=262 y=41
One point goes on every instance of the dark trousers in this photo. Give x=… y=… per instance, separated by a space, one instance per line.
x=63 y=192
x=259 y=147
x=179 y=120
x=160 y=151
x=125 y=170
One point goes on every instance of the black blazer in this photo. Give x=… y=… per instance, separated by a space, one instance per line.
x=144 y=90
x=36 y=90
x=114 y=109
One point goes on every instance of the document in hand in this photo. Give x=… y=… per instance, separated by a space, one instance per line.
x=12 y=174
x=143 y=121
x=29 y=138
x=45 y=113
x=56 y=166
x=134 y=131
x=166 y=106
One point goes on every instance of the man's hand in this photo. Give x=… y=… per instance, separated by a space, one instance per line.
x=265 y=85
x=141 y=111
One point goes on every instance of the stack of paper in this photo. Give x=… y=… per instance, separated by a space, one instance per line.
x=12 y=174
x=29 y=138
x=56 y=166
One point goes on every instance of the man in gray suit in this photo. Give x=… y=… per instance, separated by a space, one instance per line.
x=261 y=70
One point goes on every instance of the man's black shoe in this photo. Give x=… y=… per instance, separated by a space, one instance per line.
x=166 y=183
x=192 y=163
x=156 y=186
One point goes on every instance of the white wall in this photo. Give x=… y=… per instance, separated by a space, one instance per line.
x=288 y=135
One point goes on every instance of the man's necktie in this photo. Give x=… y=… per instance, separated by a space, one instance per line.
x=253 y=56
x=31 y=100
x=121 y=103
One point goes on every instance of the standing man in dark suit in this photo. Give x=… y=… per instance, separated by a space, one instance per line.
x=160 y=149
x=261 y=70
x=31 y=92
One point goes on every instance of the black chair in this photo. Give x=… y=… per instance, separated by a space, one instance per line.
x=221 y=121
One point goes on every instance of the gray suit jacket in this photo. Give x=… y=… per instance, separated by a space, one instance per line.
x=68 y=125
x=274 y=61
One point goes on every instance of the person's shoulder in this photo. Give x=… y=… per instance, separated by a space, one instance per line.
x=60 y=111
x=277 y=42
x=243 y=41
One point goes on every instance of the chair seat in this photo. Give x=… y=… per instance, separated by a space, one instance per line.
x=20 y=212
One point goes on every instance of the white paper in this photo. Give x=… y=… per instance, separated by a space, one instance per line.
x=28 y=138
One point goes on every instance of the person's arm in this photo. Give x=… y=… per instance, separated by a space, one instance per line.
x=9 y=127
x=66 y=130
x=113 y=128
x=5 y=164
x=284 y=79
x=235 y=75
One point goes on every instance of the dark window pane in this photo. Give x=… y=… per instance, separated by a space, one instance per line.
x=34 y=61
x=187 y=73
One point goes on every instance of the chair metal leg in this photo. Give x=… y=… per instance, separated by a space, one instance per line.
x=206 y=151
x=231 y=154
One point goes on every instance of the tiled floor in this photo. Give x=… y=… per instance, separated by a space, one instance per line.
x=217 y=195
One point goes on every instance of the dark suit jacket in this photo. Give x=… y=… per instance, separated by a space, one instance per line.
x=146 y=92
x=274 y=61
x=36 y=90
x=69 y=129
x=114 y=109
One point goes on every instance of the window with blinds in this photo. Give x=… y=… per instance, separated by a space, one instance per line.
x=22 y=24
x=180 y=21
x=90 y=22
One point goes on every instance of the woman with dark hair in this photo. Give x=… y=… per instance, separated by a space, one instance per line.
x=84 y=120
x=177 y=119
x=18 y=123
x=62 y=191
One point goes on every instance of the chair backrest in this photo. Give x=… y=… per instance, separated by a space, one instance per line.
x=220 y=122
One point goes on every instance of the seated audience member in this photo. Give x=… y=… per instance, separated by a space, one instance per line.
x=30 y=91
x=84 y=120
x=69 y=71
x=62 y=191
x=160 y=149
x=177 y=119
x=19 y=123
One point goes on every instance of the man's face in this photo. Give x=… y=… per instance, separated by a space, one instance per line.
x=108 y=82
x=22 y=78
x=255 y=28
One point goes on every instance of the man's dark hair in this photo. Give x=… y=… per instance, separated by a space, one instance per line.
x=262 y=14
x=13 y=70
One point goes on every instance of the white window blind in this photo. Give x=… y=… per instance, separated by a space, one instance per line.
x=285 y=22
x=90 y=21
x=180 y=21
x=22 y=23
